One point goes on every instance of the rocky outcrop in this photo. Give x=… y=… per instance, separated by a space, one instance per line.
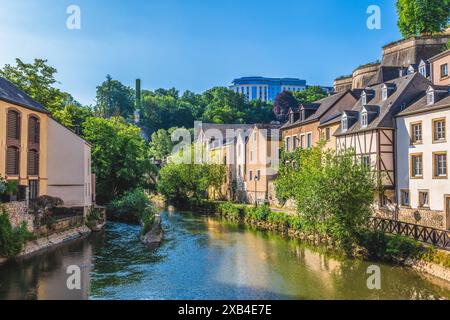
x=155 y=235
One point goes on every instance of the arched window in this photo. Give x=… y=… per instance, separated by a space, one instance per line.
x=33 y=163
x=12 y=161
x=13 y=125
x=33 y=129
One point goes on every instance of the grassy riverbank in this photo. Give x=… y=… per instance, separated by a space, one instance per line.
x=370 y=245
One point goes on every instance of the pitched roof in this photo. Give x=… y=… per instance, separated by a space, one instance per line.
x=322 y=106
x=421 y=105
x=10 y=93
x=408 y=88
x=384 y=74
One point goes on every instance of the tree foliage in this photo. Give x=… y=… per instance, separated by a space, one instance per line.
x=310 y=94
x=114 y=99
x=333 y=192
x=417 y=17
x=283 y=102
x=120 y=156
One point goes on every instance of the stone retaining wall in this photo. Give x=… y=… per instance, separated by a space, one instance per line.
x=18 y=213
x=424 y=217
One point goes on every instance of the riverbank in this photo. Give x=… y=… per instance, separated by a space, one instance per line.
x=373 y=246
x=56 y=239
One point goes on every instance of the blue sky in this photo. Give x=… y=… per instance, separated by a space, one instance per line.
x=194 y=44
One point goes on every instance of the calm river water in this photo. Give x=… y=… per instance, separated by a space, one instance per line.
x=202 y=258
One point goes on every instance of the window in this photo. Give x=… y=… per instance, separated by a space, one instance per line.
x=240 y=171
x=405 y=198
x=444 y=70
x=416 y=133
x=294 y=142
x=250 y=175
x=383 y=200
x=344 y=124
x=430 y=97
x=302 y=141
x=33 y=163
x=423 y=71
x=424 y=199
x=33 y=189
x=364 y=99
x=439 y=130
x=366 y=161
x=440 y=164
x=258 y=175
x=251 y=155
x=288 y=143
x=254 y=136
x=13 y=125
x=416 y=166
x=12 y=161
x=33 y=130
x=327 y=134
x=364 y=121
x=309 y=140
x=384 y=93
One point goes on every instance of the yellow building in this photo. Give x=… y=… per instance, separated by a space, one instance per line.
x=23 y=141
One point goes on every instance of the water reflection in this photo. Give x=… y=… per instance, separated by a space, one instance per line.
x=203 y=258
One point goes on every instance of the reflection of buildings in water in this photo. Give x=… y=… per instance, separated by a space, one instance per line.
x=252 y=260
x=53 y=285
x=43 y=276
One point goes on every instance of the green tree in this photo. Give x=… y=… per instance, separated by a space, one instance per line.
x=114 y=99
x=333 y=192
x=37 y=79
x=120 y=156
x=161 y=144
x=310 y=94
x=416 y=17
x=223 y=106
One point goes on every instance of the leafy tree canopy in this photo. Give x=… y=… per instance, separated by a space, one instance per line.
x=417 y=17
x=310 y=94
x=283 y=102
x=114 y=99
x=120 y=156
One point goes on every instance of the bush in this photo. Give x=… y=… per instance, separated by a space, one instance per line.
x=147 y=223
x=260 y=213
x=228 y=210
x=132 y=206
x=399 y=247
x=278 y=218
x=12 y=240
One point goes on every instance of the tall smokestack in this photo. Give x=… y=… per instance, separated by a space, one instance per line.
x=137 y=113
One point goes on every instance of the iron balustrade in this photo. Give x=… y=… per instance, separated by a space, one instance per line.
x=436 y=237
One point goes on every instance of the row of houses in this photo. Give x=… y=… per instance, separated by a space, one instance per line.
x=395 y=120
x=42 y=156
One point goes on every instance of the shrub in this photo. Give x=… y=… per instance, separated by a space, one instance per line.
x=434 y=256
x=147 y=223
x=278 y=218
x=228 y=210
x=260 y=213
x=12 y=240
x=132 y=206
x=400 y=247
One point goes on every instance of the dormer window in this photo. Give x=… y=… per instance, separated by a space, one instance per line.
x=430 y=97
x=364 y=120
x=344 y=123
x=423 y=71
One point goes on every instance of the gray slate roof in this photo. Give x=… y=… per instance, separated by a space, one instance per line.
x=408 y=88
x=10 y=93
x=421 y=105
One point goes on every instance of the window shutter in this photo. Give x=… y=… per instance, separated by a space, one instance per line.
x=33 y=163
x=33 y=130
x=13 y=125
x=12 y=161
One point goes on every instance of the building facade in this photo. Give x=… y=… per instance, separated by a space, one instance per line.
x=423 y=190
x=262 y=159
x=439 y=69
x=302 y=129
x=266 y=89
x=369 y=128
x=44 y=157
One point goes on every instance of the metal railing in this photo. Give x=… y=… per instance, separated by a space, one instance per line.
x=436 y=237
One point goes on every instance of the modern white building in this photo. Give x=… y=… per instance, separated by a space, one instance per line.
x=266 y=89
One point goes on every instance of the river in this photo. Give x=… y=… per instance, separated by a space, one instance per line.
x=204 y=258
